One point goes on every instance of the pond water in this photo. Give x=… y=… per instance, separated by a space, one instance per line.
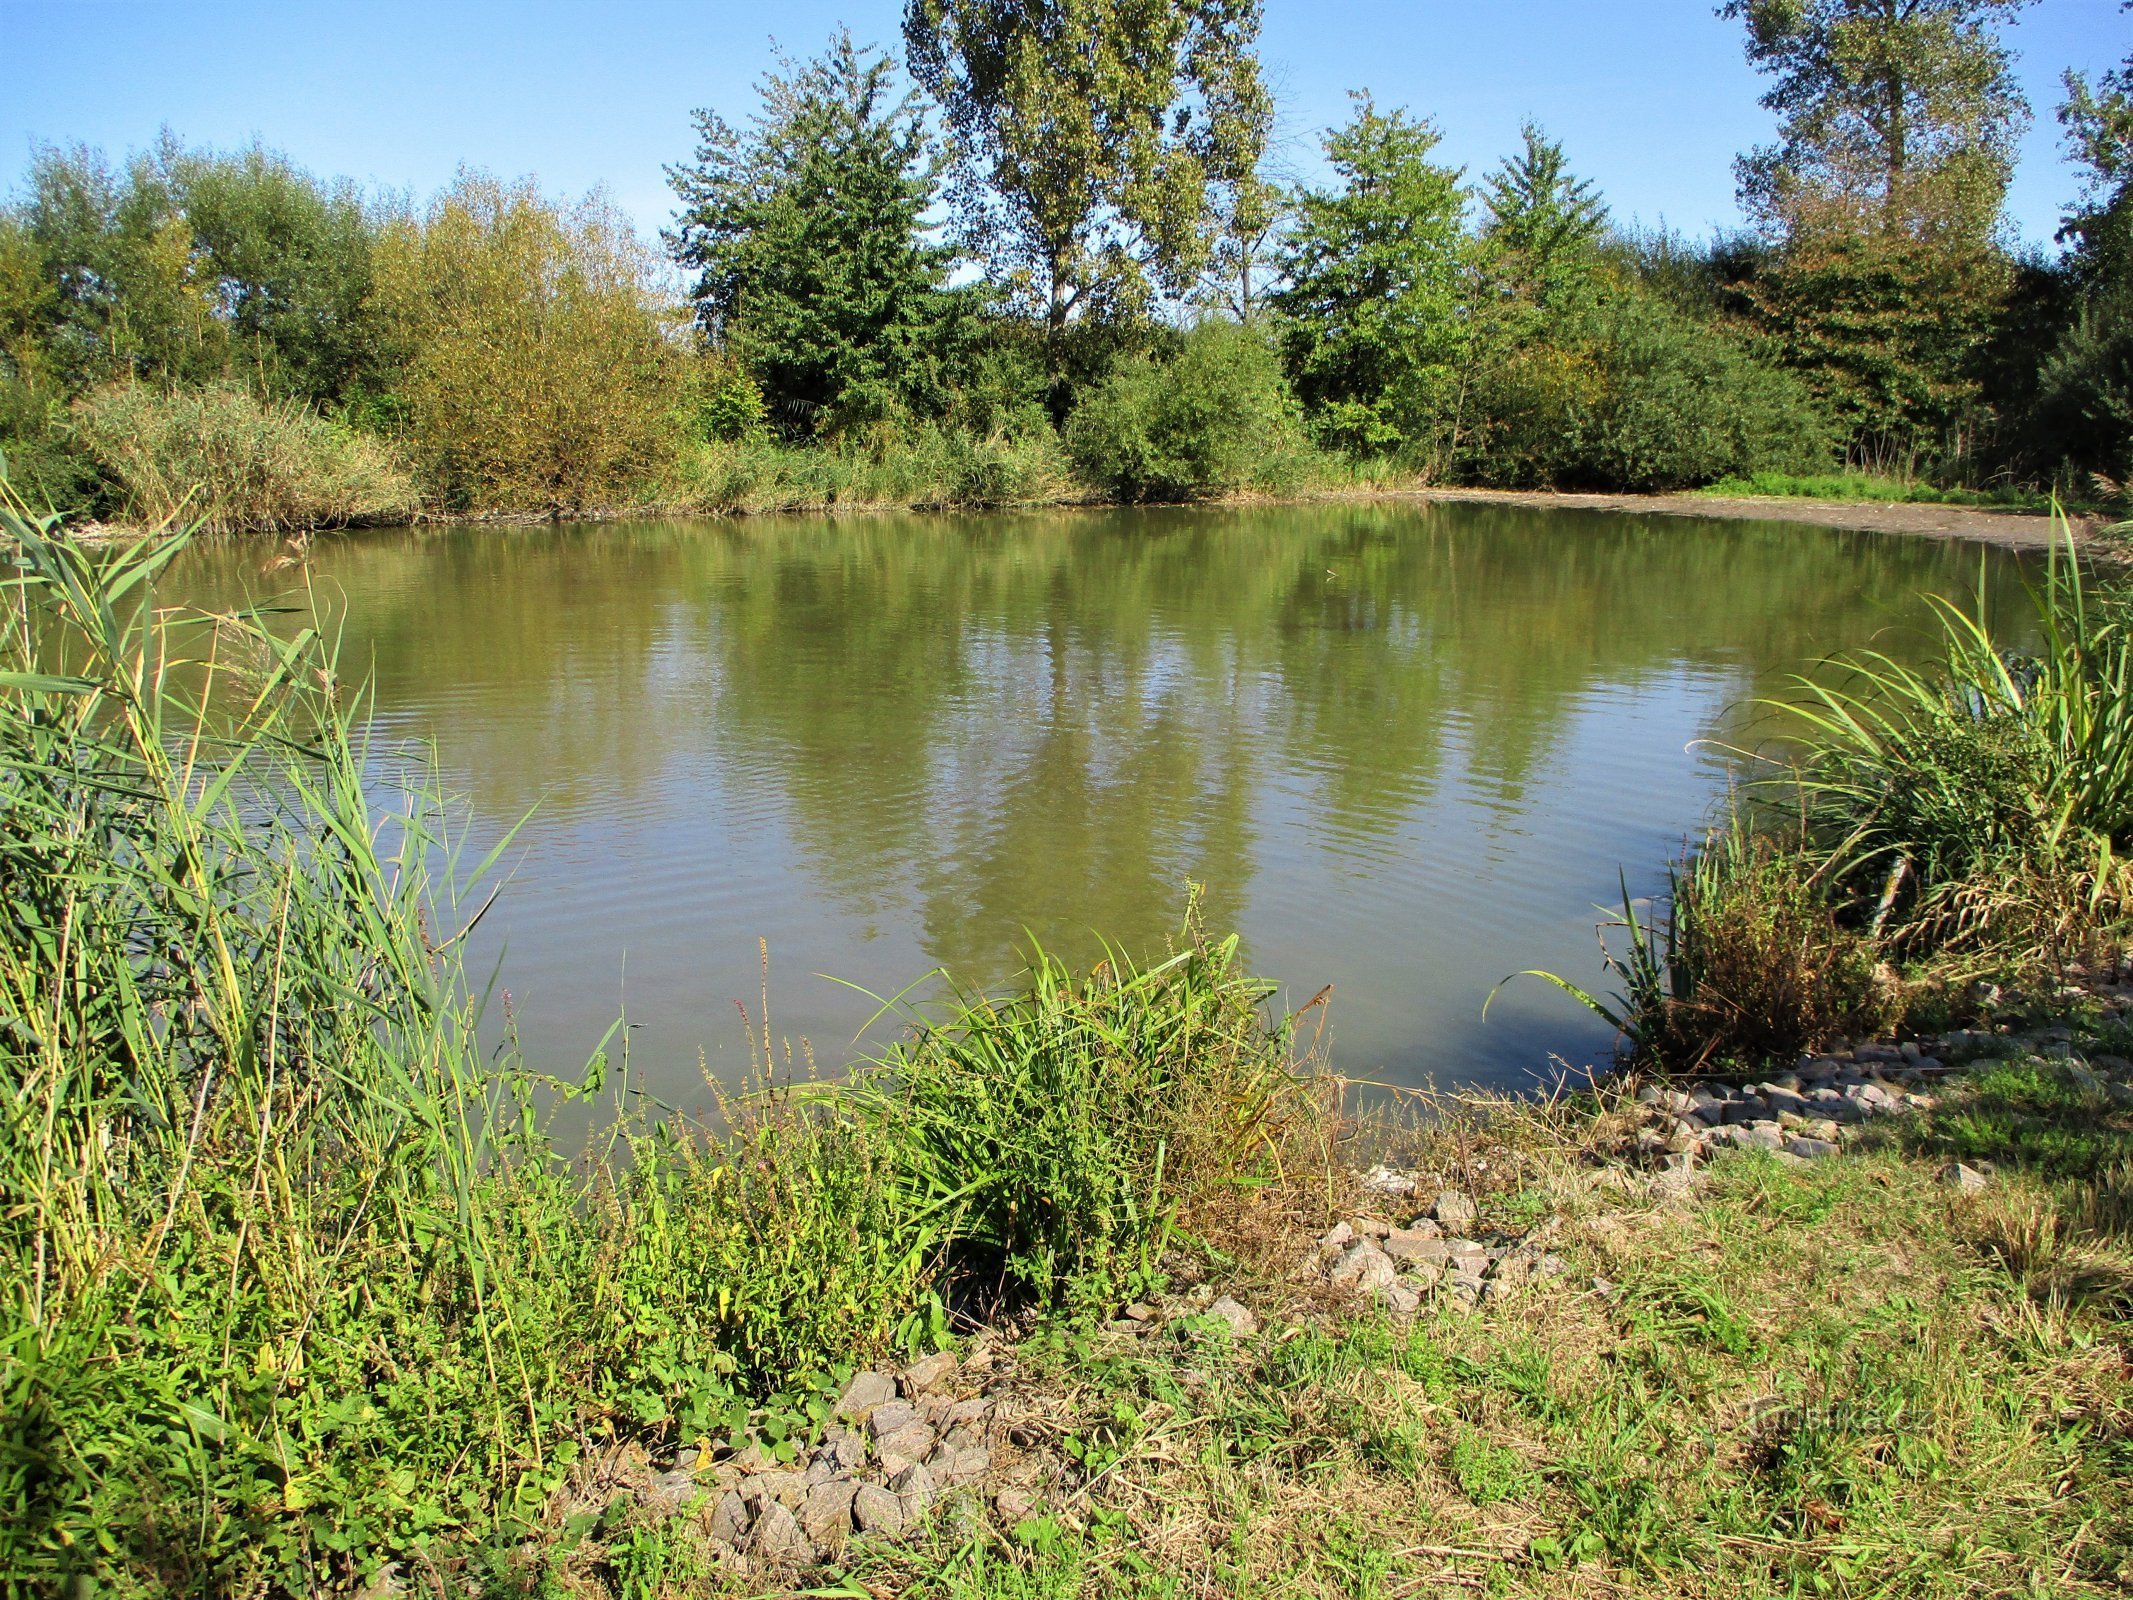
x=1403 y=749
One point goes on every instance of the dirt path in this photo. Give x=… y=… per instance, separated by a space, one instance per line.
x=2012 y=530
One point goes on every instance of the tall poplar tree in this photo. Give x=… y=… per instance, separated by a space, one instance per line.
x=1897 y=122
x=1093 y=140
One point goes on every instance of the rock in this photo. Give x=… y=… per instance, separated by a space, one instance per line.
x=1412 y=1244
x=965 y=1464
x=1760 y=1136
x=878 y=1512
x=1141 y=1312
x=1422 y=1227
x=1383 y=1180
x=889 y=1417
x=1785 y=1100
x=914 y=1486
x=968 y=1413
x=730 y=1519
x=1240 y=1321
x=1454 y=1209
x=827 y=1513
x=1401 y=1299
x=2112 y=1066
x=1014 y=1505
x=1648 y=1095
x=1363 y=1269
x=777 y=1537
x=1337 y=1239
x=1810 y=1149
x=929 y=1373
x=851 y=1451
x=912 y=1442
x=866 y=1391
x=1966 y=1179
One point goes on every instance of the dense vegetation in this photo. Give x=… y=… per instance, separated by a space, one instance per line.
x=289 y=351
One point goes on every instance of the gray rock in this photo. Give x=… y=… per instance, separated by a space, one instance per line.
x=1413 y=1244
x=965 y=1464
x=1760 y=1136
x=878 y=1512
x=1363 y=1269
x=911 y=1442
x=915 y=1487
x=1239 y=1319
x=1401 y=1299
x=777 y=1537
x=889 y=1417
x=1810 y=1149
x=1966 y=1179
x=1014 y=1504
x=866 y=1391
x=929 y=1373
x=730 y=1519
x=827 y=1513
x=1383 y=1180
x=851 y=1451
x=1337 y=1239
x=1783 y=1100
x=1454 y=1209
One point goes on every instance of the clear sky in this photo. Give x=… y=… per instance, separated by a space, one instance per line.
x=1652 y=96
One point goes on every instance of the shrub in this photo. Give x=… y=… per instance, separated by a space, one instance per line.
x=537 y=371
x=233 y=463
x=1746 y=961
x=1216 y=416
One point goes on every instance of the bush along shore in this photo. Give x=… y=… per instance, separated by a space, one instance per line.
x=934 y=281
x=1103 y=1285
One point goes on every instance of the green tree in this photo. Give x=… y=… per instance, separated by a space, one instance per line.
x=1897 y=123
x=1093 y=141
x=807 y=233
x=2098 y=119
x=1376 y=275
x=1899 y=113
x=1542 y=221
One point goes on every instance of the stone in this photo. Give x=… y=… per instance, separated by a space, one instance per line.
x=967 y=1464
x=1786 y=1100
x=1760 y=1136
x=1362 y=1269
x=1412 y=1244
x=887 y=1418
x=1337 y=1238
x=1014 y=1505
x=777 y=1537
x=1810 y=1149
x=1966 y=1179
x=911 y=1442
x=1239 y=1319
x=1454 y=1209
x=878 y=1512
x=730 y=1519
x=826 y=1515
x=866 y=1391
x=915 y=1487
x=929 y=1373
x=851 y=1451
x=1383 y=1180
x=1141 y=1312
x=1401 y=1299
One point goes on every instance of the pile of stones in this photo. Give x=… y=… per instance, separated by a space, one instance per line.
x=1436 y=1252
x=1806 y=1113
x=896 y=1445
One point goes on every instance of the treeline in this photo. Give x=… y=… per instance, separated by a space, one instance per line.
x=1041 y=257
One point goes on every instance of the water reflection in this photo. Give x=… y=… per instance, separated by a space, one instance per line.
x=1403 y=748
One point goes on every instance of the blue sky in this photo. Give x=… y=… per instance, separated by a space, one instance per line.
x=1652 y=96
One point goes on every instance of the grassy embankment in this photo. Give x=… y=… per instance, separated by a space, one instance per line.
x=1872 y=488
x=301 y=1294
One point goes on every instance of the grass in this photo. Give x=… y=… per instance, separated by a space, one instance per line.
x=1865 y=486
x=300 y=1296
x=231 y=463
x=296 y=1283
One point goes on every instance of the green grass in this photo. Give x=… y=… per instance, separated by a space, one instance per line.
x=1862 y=486
x=297 y=1284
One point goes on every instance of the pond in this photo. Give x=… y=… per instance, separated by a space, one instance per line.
x=1403 y=749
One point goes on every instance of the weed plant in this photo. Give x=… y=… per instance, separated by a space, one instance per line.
x=296 y=1283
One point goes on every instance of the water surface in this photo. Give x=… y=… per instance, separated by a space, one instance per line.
x=1403 y=750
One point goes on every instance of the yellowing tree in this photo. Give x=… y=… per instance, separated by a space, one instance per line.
x=537 y=370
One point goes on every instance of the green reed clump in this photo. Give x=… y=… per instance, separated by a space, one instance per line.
x=1745 y=960
x=293 y=1282
x=1982 y=803
x=1056 y=1136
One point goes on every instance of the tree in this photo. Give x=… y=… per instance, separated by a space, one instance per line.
x=1373 y=320
x=807 y=234
x=1092 y=139
x=2098 y=119
x=1542 y=222
x=535 y=368
x=1900 y=115
x=1882 y=196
